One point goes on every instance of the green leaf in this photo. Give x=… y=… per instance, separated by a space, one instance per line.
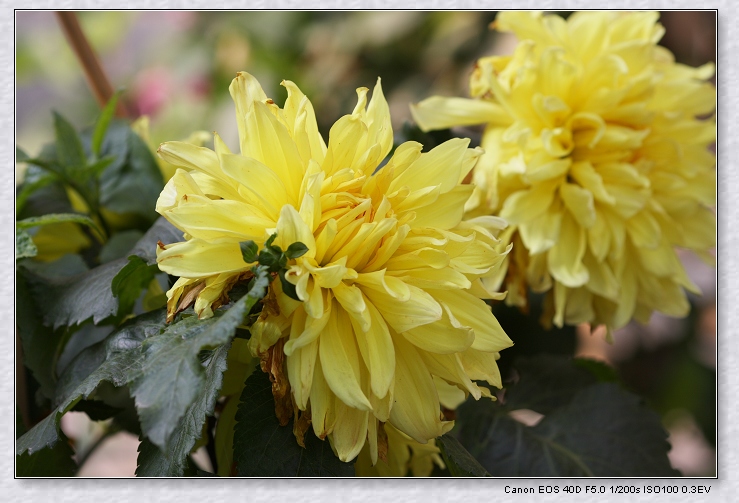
x=101 y=126
x=546 y=382
x=163 y=231
x=40 y=343
x=133 y=182
x=20 y=155
x=296 y=250
x=55 y=218
x=119 y=245
x=72 y=300
x=263 y=448
x=118 y=359
x=28 y=187
x=287 y=287
x=603 y=431
x=69 y=151
x=24 y=245
x=249 y=251
x=600 y=370
x=46 y=198
x=154 y=462
x=128 y=283
x=95 y=169
x=50 y=462
x=459 y=462
x=172 y=376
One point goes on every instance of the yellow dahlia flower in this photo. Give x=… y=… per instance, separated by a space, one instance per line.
x=403 y=454
x=390 y=288
x=595 y=155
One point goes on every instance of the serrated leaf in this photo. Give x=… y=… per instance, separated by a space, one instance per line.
x=128 y=283
x=603 y=431
x=72 y=300
x=118 y=359
x=119 y=245
x=24 y=245
x=458 y=460
x=69 y=151
x=54 y=461
x=154 y=462
x=172 y=376
x=163 y=231
x=263 y=448
x=40 y=343
x=545 y=383
x=101 y=126
x=55 y=218
x=133 y=185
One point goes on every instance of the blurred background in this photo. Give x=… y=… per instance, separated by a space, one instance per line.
x=175 y=68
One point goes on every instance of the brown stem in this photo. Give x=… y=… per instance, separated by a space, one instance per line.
x=96 y=78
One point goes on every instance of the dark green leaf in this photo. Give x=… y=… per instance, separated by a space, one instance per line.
x=459 y=462
x=546 y=382
x=270 y=240
x=263 y=448
x=269 y=260
x=133 y=182
x=249 y=251
x=101 y=126
x=130 y=281
x=296 y=250
x=45 y=199
x=24 y=245
x=118 y=359
x=172 y=376
x=97 y=410
x=53 y=461
x=603 y=431
x=95 y=169
x=69 y=151
x=154 y=462
x=287 y=287
x=163 y=231
x=65 y=266
x=119 y=245
x=55 y=218
x=40 y=343
x=28 y=187
x=600 y=370
x=72 y=300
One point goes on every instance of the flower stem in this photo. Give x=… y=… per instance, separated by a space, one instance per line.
x=96 y=78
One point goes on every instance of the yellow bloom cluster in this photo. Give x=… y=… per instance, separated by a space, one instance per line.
x=595 y=153
x=390 y=288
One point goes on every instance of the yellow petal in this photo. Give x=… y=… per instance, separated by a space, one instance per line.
x=419 y=309
x=340 y=360
x=416 y=409
x=350 y=431
x=442 y=113
x=377 y=350
x=198 y=259
x=565 y=257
